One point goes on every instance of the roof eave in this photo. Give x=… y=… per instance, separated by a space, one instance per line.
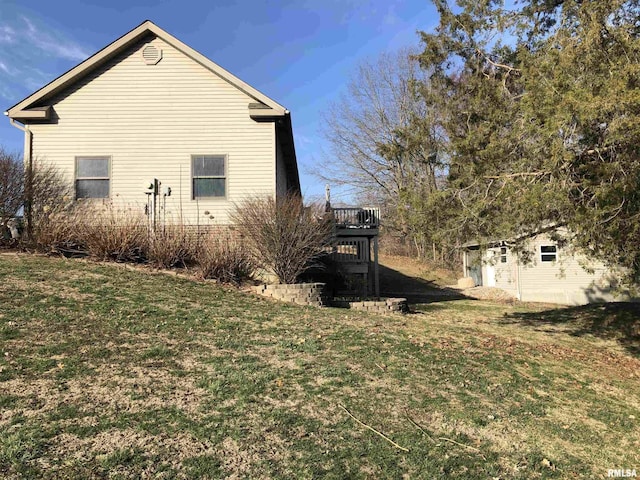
x=39 y=113
x=260 y=111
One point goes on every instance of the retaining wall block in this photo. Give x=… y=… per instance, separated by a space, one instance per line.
x=301 y=294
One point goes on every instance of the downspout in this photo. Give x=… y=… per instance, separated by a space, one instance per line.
x=28 y=163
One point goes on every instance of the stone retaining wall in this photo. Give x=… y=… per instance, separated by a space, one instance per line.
x=315 y=294
x=386 y=305
x=298 y=293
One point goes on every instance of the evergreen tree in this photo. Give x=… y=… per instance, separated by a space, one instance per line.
x=538 y=105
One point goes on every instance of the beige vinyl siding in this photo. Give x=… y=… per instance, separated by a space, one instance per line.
x=564 y=281
x=150 y=120
x=506 y=273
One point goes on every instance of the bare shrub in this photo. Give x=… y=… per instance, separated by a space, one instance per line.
x=283 y=236
x=11 y=186
x=173 y=246
x=52 y=216
x=48 y=198
x=59 y=233
x=51 y=191
x=112 y=233
x=58 y=224
x=222 y=257
x=95 y=229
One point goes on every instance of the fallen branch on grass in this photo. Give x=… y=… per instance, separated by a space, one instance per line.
x=462 y=445
x=420 y=428
x=445 y=439
x=374 y=430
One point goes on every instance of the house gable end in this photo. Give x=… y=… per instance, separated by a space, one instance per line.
x=22 y=110
x=150 y=103
x=129 y=86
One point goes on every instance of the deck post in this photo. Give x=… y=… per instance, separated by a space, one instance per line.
x=376 y=273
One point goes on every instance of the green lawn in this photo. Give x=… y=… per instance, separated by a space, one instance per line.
x=110 y=372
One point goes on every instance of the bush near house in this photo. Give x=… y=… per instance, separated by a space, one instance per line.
x=283 y=235
x=106 y=232
x=100 y=231
x=223 y=257
x=11 y=188
x=116 y=234
x=173 y=246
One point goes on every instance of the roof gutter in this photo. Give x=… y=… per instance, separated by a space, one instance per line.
x=13 y=122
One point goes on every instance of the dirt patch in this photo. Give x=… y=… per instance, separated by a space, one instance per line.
x=489 y=293
x=176 y=447
x=236 y=459
x=242 y=459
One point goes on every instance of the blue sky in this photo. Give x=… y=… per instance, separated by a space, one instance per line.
x=301 y=53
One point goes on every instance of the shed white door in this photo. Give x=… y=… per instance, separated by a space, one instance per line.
x=490 y=268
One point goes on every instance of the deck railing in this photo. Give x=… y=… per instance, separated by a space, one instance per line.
x=356 y=217
x=350 y=251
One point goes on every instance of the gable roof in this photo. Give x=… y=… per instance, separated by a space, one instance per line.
x=24 y=110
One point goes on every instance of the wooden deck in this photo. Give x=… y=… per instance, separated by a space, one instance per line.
x=356 y=221
x=355 y=244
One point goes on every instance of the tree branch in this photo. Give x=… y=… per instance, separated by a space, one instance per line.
x=375 y=431
x=515 y=175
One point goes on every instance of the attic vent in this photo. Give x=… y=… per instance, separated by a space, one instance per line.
x=151 y=54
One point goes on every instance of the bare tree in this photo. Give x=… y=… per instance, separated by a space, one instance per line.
x=42 y=191
x=386 y=143
x=11 y=186
x=371 y=130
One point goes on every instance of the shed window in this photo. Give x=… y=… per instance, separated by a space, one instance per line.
x=208 y=173
x=548 y=253
x=503 y=254
x=92 y=177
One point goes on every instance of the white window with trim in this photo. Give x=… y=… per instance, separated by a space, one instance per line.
x=93 y=177
x=208 y=176
x=503 y=254
x=548 y=253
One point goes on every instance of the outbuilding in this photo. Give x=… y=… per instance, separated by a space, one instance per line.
x=546 y=269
